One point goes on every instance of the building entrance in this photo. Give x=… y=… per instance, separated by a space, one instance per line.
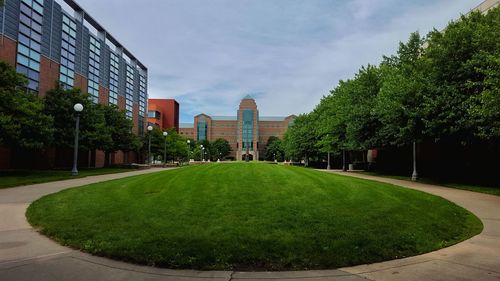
x=250 y=157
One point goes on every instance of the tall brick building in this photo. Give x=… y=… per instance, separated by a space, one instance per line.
x=247 y=132
x=50 y=42
x=163 y=113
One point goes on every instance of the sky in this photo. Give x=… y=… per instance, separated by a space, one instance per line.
x=287 y=54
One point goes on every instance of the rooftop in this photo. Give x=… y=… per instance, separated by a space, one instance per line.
x=186 y=125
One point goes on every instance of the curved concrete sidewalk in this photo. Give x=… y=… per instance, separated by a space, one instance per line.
x=27 y=255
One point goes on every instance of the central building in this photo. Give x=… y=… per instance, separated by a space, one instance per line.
x=247 y=132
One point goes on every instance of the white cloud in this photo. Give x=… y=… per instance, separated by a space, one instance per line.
x=208 y=55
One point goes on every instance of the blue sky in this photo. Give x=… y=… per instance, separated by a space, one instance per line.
x=287 y=54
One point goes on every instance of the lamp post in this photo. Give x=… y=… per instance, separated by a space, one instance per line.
x=328 y=165
x=414 y=176
x=165 y=134
x=78 y=108
x=201 y=152
x=150 y=128
x=344 y=167
x=189 y=150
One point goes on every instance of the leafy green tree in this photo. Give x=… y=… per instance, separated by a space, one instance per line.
x=274 y=149
x=298 y=141
x=208 y=149
x=362 y=124
x=177 y=148
x=119 y=128
x=484 y=80
x=404 y=84
x=23 y=122
x=59 y=104
x=175 y=144
x=459 y=59
x=221 y=149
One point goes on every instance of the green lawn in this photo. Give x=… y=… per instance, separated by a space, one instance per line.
x=250 y=216
x=24 y=177
x=464 y=186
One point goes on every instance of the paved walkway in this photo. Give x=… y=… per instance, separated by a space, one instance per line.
x=27 y=255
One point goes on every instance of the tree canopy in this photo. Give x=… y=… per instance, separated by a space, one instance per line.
x=23 y=120
x=441 y=87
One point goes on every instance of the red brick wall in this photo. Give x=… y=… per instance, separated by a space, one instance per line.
x=121 y=102
x=8 y=50
x=5 y=155
x=99 y=158
x=117 y=157
x=169 y=110
x=225 y=129
x=81 y=83
x=187 y=132
x=103 y=95
x=49 y=75
x=135 y=118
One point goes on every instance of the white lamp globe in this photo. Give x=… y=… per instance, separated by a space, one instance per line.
x=78 y=107
x=150 y=128
x=165 y=134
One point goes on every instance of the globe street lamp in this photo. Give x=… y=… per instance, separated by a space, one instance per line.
x=414 y=176
x=328 y=165
x=344 y=166
x=150 y=128
x=78 y=108
x=201 y=152
x=165 y=134
x=189 y=150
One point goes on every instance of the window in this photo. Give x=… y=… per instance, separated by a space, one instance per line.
x=114 y=71
x=67 y=52
x=93 y=75
x=202 y=130
x=247 y=129
x=129 y=93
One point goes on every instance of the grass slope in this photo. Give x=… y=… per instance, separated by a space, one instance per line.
x=249 y=216
x=24 y=177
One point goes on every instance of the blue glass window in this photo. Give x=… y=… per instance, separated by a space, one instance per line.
x=202 y=130
x=247 y=128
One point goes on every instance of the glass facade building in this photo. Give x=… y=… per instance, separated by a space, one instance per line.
x=57 y=41
x=29 y=41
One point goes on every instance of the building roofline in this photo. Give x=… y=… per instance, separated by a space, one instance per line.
x=98 y=27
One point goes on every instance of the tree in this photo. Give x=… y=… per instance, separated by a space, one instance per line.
x=23 y=122
x=93 y=132
x=404 y=84
x=459 y=58
x=299 y=142
x=120 y=130
x=362 y=124
x=274 y=149
x=175 y=144
x=220 y=148
x=177 y=148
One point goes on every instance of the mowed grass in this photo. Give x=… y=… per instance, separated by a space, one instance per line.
x=250 y=216
x=24 y=177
